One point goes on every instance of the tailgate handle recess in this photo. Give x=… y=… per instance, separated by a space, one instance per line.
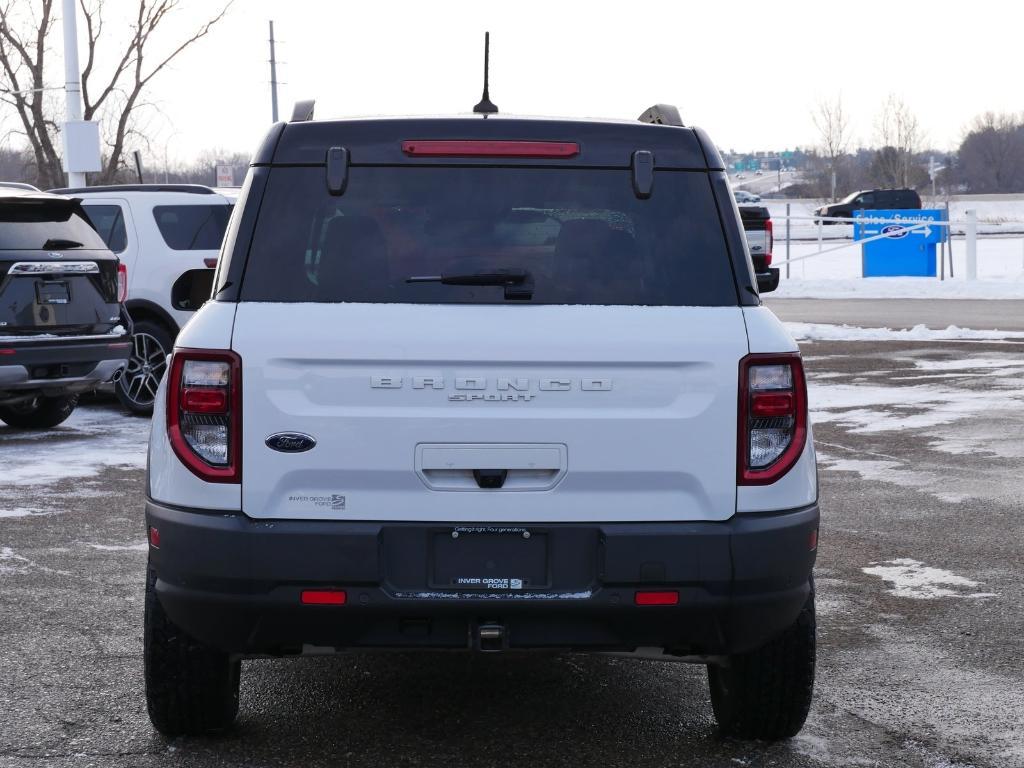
x=509 y=467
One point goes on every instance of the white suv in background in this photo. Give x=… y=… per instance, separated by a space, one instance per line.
x=168 y=236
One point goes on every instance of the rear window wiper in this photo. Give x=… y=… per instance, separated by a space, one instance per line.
x=518 y=283
x=60 y=242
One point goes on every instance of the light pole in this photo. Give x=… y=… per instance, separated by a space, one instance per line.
x=72 y=87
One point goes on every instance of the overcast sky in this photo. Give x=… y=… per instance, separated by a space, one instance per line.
x=748 y=72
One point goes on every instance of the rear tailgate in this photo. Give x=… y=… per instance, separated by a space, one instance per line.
x=56 y=275
x=597 y=413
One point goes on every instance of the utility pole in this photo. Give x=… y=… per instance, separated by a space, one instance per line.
x=273 y=75
x=72 y=84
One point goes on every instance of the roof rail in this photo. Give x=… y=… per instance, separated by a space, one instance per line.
x=303 y=110
x=194 y=189
x=661 y=114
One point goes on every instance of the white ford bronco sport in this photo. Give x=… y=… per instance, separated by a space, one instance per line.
x=497 y=384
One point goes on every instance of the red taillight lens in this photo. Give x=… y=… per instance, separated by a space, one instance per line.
x=122 y=283
x=323 y=597
x=204 y=413
x=204 y=400
x=772 y=417
x=768 y=404
x=457 y=148
x=769 y=234
x=663 y=597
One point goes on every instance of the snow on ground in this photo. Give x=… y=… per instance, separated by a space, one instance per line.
x=827 y=332
x=913 y=579
x=94 y=437
x=980 y=395
x=838 y=274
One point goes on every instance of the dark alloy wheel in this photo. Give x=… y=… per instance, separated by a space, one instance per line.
x=136 y=389
x=39 y=412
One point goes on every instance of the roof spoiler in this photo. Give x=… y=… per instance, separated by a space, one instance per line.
x=662 y=114
x=303 y=110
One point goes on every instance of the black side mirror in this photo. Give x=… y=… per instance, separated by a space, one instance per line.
x=768 y=281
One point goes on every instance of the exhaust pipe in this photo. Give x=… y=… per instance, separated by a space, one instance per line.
x=116 y=375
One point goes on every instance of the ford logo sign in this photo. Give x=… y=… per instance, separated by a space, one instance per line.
x=290 y=442
x=895 y=231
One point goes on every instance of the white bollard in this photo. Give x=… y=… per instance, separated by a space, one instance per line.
x=971 y=234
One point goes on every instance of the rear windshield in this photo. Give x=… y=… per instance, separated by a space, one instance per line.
x=192 y=227
x=582 y=235
x=52 y=224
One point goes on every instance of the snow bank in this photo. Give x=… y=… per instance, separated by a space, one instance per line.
x=826 y=332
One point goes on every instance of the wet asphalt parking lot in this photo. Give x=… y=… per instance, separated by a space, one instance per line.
x=920 y=610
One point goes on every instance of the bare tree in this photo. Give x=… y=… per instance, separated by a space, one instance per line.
x=113 y=98
x=991 y=156
x=899 y=136
x=834 y=130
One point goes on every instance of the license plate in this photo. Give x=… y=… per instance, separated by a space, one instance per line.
x=52 y=292
x=495 y=559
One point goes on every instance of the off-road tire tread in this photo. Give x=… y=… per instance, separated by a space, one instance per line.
x=191 y=689
x=771 y=685
x=50 y=412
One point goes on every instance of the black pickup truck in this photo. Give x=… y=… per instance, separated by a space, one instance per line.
x=757 y=226
x=62 y=328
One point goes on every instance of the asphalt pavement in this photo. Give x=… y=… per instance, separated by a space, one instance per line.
x=920 y=464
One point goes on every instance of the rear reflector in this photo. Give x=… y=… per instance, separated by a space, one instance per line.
x=195 y=400
x=323 y=597
x=7 y=351
x=766 y=404
x=211 y=262
x=657 y=598
x=812 y=541
x=154 y=538
x=456 y=148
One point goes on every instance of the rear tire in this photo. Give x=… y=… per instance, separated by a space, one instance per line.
x=191 y=689
x=136 y=389
x=766 y=693
x=39 y=413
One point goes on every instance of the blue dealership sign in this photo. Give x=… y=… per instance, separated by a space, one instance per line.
x=900 y=248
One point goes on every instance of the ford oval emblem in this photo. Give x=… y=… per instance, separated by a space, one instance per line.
x=290 y=442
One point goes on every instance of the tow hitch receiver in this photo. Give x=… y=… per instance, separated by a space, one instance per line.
x=491 y=637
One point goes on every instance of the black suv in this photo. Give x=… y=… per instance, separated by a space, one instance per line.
x=870 y=200
x=62 y=328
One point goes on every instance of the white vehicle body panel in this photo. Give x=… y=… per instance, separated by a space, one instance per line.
x=170 y=481
x=639 y=404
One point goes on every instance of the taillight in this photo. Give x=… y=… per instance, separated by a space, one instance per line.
x=204 y=413
x=772 y=417
x=122 y=283
x=769 y=236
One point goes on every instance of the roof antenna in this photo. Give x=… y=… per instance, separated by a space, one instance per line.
x=486 y=106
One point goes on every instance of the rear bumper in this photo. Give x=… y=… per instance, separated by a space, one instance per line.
x=56 y=367
x=235 y=583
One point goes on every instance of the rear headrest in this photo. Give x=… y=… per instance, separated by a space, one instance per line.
x=353 y=261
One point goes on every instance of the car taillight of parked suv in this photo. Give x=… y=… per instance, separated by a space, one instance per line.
x=484 y=385
x=62 y=327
